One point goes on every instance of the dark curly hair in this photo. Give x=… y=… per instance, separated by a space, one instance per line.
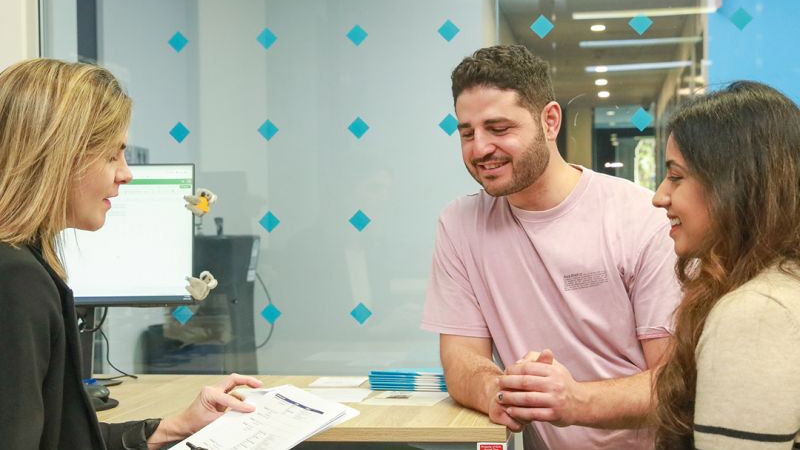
x=507 y=67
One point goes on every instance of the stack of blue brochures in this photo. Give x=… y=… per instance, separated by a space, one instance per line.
x=407 y=380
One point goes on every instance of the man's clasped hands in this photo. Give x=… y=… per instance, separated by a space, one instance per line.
x=535 y=388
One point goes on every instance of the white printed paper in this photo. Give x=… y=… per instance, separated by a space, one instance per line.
x=284 y=417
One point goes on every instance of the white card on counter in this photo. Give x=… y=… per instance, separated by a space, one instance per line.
x=338 y=382
x=349 y=395
x=406 y=398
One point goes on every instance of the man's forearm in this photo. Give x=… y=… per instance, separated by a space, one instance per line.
x=471 y=379
x=616 y=403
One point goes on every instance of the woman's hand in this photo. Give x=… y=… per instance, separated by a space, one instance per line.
x=211 y=403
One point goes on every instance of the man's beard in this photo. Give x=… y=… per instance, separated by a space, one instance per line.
x=525 y=170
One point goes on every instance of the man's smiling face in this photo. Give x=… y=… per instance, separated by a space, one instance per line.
x=502 y=143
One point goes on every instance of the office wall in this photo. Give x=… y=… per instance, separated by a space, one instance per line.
x=132 y=43
x=496 y=29
x=19 y=31
x=313 y=174
x=59 y=20
x=578 y=123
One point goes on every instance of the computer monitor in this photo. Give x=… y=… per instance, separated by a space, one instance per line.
x=143 y=253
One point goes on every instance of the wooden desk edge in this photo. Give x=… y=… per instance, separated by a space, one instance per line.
x=412 y=434
x=488 y=432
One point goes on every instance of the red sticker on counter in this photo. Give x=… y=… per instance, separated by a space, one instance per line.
x=482 y=446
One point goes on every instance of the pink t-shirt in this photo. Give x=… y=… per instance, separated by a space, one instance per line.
x=588 y=279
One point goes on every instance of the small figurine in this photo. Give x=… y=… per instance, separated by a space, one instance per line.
x=200 y=203
x=200 y=287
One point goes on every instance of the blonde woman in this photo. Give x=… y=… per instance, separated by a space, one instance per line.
x=63 y=128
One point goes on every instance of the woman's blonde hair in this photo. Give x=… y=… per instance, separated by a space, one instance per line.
x=56 y=118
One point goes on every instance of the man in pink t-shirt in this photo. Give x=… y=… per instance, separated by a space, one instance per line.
x=566 y=272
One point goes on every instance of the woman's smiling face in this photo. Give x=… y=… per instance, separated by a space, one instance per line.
x=682 y=195
x=89 y=198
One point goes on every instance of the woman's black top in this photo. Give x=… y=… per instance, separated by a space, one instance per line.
x=44 y=404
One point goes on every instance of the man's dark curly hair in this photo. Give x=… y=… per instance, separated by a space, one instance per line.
x=507 y=67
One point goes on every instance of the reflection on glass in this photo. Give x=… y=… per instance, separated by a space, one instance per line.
x=313 y=175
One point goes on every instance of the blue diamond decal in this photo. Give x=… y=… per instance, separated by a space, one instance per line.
x=357 y=35
x=448 y=30
x=740 y=18
x=271 y=313
x=361 y=313
x=360 y=220
x=449 y=124
x=358 y=127
x=641 y=119
x=268 y=129
x=269 y=221
x=267 y=38
x=541 y=26
x=179 y=132
x=178 y=41
x=182 y=314
x=640 y=23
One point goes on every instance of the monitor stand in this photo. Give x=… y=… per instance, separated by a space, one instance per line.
x=97 y=390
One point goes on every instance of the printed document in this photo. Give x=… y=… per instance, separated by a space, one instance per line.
x=284 y=417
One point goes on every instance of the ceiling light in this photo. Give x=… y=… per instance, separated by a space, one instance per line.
x=639 y=66
x=613 y=165
x=653 y=12
x=598 y=27
x=611 y=113
x=600 y=82
x=603 y=94
x=640 y=42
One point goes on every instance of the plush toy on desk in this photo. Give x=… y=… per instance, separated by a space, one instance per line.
x=200 y=287
x=199 y=205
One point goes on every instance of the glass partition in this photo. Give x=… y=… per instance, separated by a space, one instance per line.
x=326 y=130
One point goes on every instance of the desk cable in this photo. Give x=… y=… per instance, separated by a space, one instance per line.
x=83 y=328
x=108 y=360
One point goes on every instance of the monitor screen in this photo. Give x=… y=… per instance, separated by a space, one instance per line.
x=143 y=253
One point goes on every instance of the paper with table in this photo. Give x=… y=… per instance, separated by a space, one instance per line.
x=284 y=417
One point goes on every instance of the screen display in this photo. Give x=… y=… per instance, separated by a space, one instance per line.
x=144 y=251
